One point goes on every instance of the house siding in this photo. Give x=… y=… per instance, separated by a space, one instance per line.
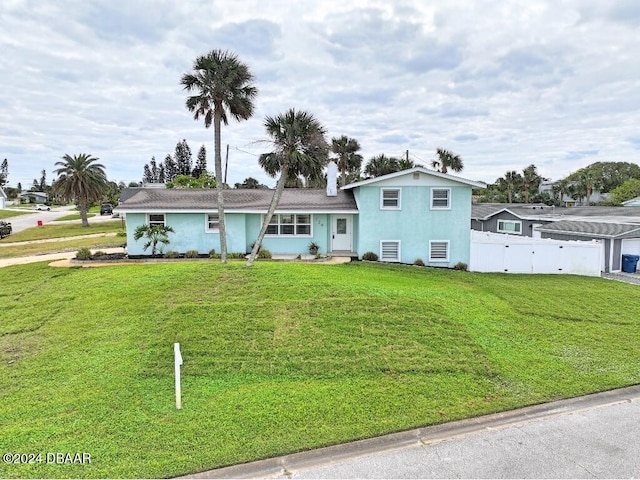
x=415 y=224
x=491 y=224
x=321 y=225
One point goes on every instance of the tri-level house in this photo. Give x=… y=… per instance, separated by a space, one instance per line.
x=402 y=216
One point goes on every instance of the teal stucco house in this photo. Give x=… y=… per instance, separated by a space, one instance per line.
x=402 y=216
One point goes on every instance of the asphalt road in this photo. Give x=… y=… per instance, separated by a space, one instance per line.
x=28 y=220
x=596 y=436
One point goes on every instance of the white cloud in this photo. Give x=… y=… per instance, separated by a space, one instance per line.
x=503 y=84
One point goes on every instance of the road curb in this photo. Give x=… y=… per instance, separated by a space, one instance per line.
x=279 y=466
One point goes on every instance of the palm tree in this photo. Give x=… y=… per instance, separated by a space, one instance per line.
x=510 y=183
x=82 y=180
x=530 y=181
x=381 y=165
x=155 y=234
x=348 y=159
x=300 y=149
x=223 y=87
x=447 y=161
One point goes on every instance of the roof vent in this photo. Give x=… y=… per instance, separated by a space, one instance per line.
x=416 y=175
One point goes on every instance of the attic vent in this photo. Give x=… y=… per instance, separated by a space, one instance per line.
x=416 y=175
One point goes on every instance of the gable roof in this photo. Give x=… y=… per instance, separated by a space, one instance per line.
x=593 y=229
x=633 y=202
x=524 y=211
x=409 y=171
x=141 y=200
x=484 y=211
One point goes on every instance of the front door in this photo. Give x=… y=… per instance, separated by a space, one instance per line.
x=341 y=232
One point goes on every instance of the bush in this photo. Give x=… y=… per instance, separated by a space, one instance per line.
x=236 y=255
x=213 y=254
x=370 y=256
x=460 y=266
x=264 y=253
x=171 y=254
x=418 y=262
x=83 y=254
x=191 y=254
x=121 y=234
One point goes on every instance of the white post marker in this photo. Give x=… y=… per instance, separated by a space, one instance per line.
x=178 y=361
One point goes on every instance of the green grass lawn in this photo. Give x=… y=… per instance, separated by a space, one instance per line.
x=62 y=230
x=73 y=216
x=12 y=213
x=285 y=357
x=62 y=246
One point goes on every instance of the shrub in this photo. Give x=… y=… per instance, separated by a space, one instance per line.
x=313 y=248
x=418 y=262
x=213 y=254
x=264 y=253
x=171 y=254
x=236 y=255
x=191 y=254
x=460 y=266
x=121 y=234
x=83 y=254
x=370 y=256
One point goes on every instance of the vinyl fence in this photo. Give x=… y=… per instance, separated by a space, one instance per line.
x=495 y=252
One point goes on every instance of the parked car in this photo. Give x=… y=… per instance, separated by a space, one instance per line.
x=106 y=209
x=40 y=206
x=5 y=229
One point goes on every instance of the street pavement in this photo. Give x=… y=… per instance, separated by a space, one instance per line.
x=595 y=436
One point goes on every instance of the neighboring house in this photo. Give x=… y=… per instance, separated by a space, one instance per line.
x=415 y=213
x=33 y=197
x=3 y=198
x=617 y=228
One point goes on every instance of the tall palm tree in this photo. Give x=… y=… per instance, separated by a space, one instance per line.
x=349 y=160
x=300 y=149
x=223 y=87
x=82 y=180
x=381 y=165
x=447 y=161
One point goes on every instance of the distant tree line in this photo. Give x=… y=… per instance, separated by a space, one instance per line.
x=180 y=164
x=616 y=178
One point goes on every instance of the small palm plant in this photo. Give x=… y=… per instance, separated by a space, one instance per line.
x=154 y=234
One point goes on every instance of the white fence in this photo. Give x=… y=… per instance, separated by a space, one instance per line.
x=495 y=252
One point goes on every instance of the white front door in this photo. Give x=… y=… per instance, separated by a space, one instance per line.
x=341 y=232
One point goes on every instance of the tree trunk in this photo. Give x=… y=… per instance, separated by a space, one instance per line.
x=82 y=206
x=272 y=208
x=217 y=115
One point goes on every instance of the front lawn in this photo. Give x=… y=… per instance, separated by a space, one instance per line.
x=62 y=230
x=12 y=213
x=13 y=251
x=285 y=356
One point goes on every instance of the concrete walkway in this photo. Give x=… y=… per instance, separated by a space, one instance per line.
x=594 y=436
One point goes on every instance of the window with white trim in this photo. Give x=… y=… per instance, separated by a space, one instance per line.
x=439 y=251
x=390 y=250
x=390 y=199
x=510 y=226
x=440 y=198
x=213 y=222
x=290 y=224
x=156 y=219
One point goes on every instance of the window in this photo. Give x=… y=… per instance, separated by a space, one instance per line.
x=390 y=198
x=156 y=219
x=510 y=226
x=213 y=222
x=439 y=251
x=390 y=251
x=286 y=224
x=440 y=198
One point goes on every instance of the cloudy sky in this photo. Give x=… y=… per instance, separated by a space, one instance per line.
x=502 y=83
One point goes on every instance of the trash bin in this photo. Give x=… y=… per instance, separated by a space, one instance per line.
x=630 y=263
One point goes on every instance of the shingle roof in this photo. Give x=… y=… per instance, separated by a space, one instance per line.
x=483 y=211
x=294 y=199
x=596 y=229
